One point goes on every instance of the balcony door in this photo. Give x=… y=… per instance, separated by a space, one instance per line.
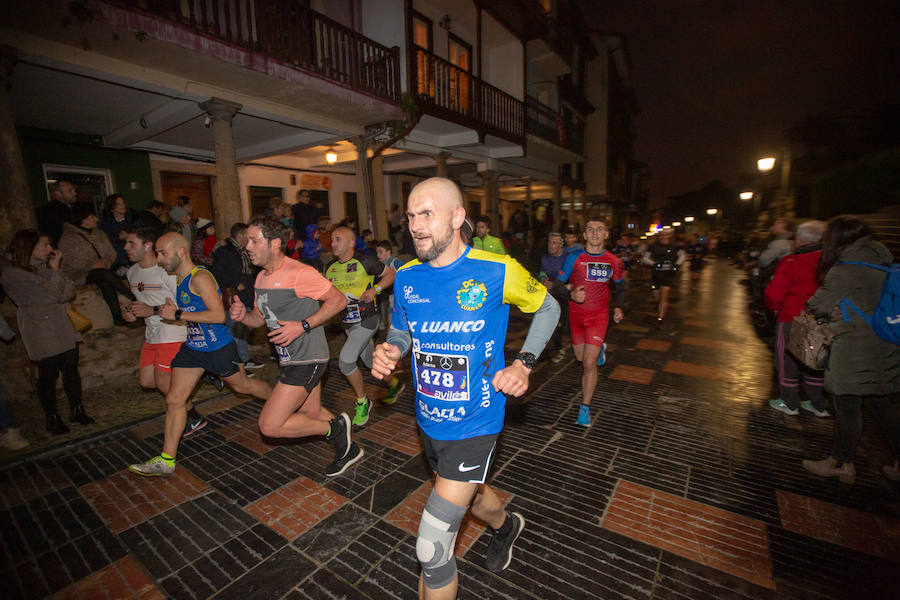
x=460 y=55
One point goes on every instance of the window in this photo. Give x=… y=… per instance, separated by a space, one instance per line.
x=263 y=198
x=421 y=31
x=460 y=54
x=91 y=185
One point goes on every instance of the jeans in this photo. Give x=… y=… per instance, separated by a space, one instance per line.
x=848 y=413
x=110 y=284
x=48 y=371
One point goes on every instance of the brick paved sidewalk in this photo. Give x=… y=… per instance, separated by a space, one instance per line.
x=687 y=485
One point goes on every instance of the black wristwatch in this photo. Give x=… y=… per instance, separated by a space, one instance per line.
x=155 y=310
x=527 y=358
x=306 y=326
x=178 y=315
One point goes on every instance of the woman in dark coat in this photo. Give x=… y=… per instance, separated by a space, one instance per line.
x=862 y=368
x=117 y=218
x=38 y=286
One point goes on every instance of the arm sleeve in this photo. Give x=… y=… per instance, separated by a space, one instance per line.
x=543 y=324
x=401 y=339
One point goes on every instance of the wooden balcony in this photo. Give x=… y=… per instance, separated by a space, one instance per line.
x=552 y=126
x=288 y=31
x=448 y=92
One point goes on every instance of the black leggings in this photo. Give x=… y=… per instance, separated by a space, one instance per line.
x=848 y=413
x=109 y=284
x=48 y=371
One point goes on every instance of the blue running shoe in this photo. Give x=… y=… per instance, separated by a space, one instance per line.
x=601 y=360
x=584 y=416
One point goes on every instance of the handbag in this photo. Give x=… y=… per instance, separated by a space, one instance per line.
x=79 y=321
x=810 y=341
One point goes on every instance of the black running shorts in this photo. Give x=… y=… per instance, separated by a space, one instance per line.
x=307 y=376
x=460 y=460
x=221 y=361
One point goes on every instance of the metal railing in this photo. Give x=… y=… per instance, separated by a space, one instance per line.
x=290 y=32
x=551 y=125
x=450 y=92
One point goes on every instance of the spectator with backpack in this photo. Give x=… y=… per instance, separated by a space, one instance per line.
x=863 y=367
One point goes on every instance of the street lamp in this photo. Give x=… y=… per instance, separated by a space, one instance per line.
x=765 y=164
x=712 y=211
x=676 y=223
x=689 y=219
x=746 y=195
x=784 y=200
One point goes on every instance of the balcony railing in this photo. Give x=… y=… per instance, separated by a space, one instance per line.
x=553 y=126
x=292 y=33
x=452 y=93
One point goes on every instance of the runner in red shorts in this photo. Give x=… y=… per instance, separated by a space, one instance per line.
x=587 y=274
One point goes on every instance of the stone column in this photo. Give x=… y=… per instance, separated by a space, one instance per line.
x=380 y=208
x=440 y=160
x=570 y=214
x=228 y=192
x=365 y=187
x=16 y=205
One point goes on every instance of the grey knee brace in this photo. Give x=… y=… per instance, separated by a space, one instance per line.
x=347 y=368
x=437 y=537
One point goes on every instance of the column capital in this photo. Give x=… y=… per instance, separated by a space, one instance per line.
x=220 y=110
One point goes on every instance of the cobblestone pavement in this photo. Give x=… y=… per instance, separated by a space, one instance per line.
x=686 y=485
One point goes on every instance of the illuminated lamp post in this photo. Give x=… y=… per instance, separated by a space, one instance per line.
x=784 y=200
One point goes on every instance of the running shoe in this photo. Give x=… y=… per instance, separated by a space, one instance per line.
x=362 y=412
x=779 y=405
x=500 y=550
x=214 y=380
x=808 y=407
x=601 y=360
x=155 y=467
x=393 y=391
x=354 y=453
x=195 y=422
x=252 y=365
x=559 y=357
x=340 y=436
x=584 y=416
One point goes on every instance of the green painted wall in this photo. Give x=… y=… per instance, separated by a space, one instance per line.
x=130 y=169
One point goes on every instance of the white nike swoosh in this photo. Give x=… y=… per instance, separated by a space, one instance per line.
x=463 y=468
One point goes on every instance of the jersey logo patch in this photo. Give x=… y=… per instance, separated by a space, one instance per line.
x=471 y=295
x=351 y=268
x=533 y=285
x=141 y=286
x=185 y=298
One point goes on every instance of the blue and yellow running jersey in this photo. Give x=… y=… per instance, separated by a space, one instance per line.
x=457 y=316
x=204 y=337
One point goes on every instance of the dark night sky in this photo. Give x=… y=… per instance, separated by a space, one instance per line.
x=718 y=81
